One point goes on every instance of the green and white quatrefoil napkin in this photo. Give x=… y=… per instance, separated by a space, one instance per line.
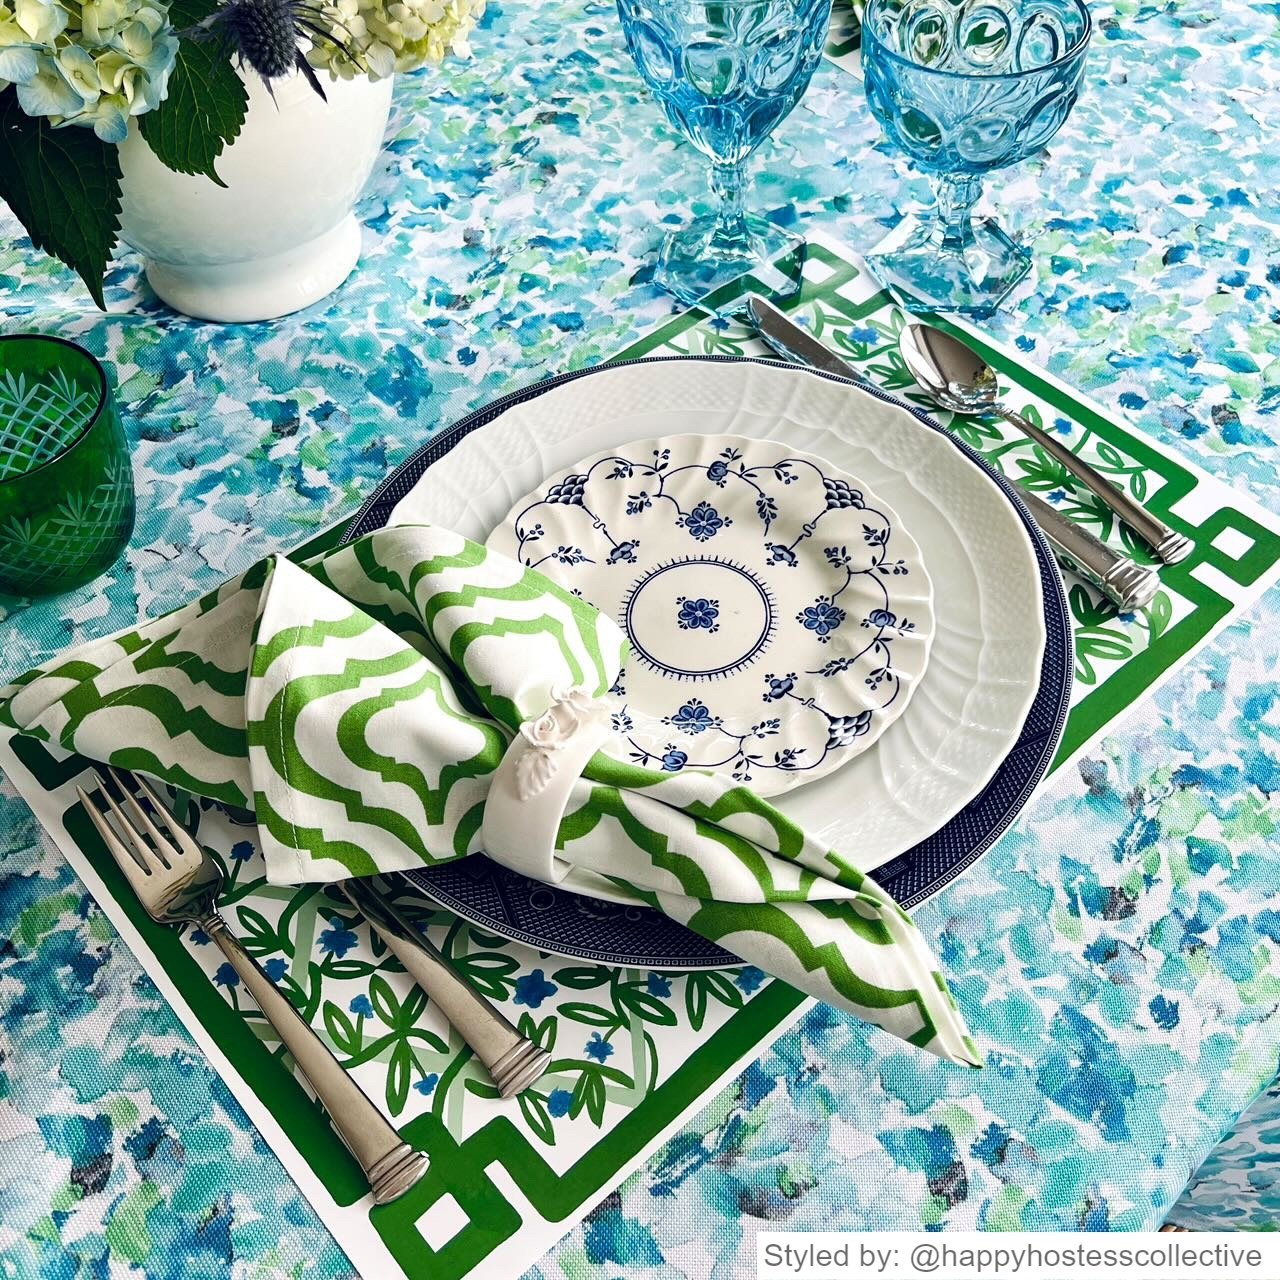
x=364 y=707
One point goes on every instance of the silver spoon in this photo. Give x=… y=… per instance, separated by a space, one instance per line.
x=960 y=380
x=1121 y=580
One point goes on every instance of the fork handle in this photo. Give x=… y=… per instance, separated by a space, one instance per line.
x=389 y=1163
x=1170 y=545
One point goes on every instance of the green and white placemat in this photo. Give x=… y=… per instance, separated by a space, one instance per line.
x=844 y=35
x=635 y=1053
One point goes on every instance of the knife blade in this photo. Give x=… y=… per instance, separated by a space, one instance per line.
x=793 y=343
x=514 y=1062
x=1122 y=580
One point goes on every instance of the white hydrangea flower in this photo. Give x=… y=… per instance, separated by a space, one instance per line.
x=42 y=20
x=87 y=62
x=379 y=37
x=18 y=60
x=101 y=19
x=47 y=93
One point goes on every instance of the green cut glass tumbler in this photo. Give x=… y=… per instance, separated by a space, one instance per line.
x=66 y=486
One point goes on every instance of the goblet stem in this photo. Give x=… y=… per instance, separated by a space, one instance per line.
x=728 y=183
x=955 y=195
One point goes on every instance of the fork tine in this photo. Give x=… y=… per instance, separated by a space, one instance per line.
x=142 y=851
x=161 y=842
x=130 y=862
x=185 y=841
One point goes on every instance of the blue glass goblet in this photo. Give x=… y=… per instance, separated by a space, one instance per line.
x=965 y=87
x=726 y=73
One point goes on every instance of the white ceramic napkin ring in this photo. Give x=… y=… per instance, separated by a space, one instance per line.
x=531 y=785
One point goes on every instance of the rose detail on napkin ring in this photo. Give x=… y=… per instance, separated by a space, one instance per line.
x=532 y=784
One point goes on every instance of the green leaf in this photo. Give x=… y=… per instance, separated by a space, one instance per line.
x=817 y=321
x=205 y=105
x=1111 y=457
x=385 y=1004
x=588 y=1014
x=485 y=939
x=588 y=1093
x=1043 y=473
x=1086 y=609
x=538 y=1117
x=974 y=433
x=293 y=989
x=1159 y=614
x=840 y=338
x=415 y=1005
x=581 y=977
x=543 y=1033
x=490 y=974
x=257 y=928
x=399 y=1076
x=633 y=997
x=1107 y=645
x=695 y=1001
x=341 y=1029
x=63 y=185
x=346 y=969
x=1136 y=546
x=722 y=989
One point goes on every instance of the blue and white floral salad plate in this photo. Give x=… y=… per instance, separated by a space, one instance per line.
x=929 y=798
x=778 y=613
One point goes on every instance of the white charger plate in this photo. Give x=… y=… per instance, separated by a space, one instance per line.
x=989 y=639
x=779 y=614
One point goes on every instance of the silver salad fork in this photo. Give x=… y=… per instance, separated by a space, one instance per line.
x=178 y=883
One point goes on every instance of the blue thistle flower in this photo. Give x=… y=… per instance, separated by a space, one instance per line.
x=265 y=35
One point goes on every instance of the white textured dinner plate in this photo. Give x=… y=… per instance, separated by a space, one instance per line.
x=988 y=582
x=778 y=614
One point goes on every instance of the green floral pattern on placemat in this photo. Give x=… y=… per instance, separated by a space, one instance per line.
x=630 y=1049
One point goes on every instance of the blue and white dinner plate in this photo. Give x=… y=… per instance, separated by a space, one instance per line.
x=947 y=778
x=778 y=614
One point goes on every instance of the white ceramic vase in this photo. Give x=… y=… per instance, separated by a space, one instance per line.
x=281 y=234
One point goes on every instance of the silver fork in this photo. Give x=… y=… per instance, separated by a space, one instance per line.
x=177 y=883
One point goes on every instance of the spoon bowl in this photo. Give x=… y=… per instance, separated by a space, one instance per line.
x=953 y=374
x=957 y=378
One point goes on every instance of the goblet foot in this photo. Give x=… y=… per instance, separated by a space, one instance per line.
x=933 y=272
x=700 y=258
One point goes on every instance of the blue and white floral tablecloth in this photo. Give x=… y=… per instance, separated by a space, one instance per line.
x=508 y=236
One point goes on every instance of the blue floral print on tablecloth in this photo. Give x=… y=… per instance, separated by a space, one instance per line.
x=518 y=244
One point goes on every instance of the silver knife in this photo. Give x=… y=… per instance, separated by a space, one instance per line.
x=514 y=1062
x=1122 y=580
